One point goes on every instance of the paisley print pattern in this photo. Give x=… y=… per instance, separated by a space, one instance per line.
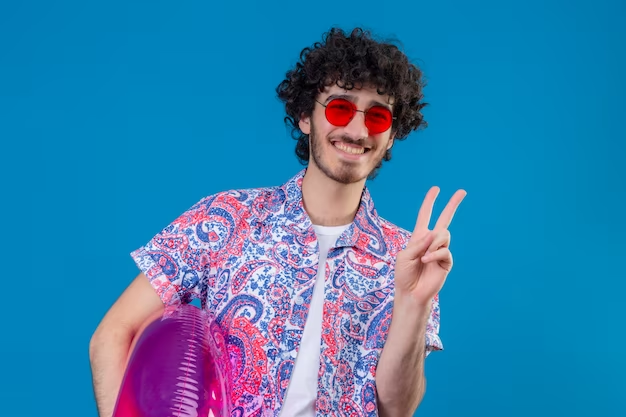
x=251 y=258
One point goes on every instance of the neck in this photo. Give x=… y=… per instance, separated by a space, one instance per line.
x=327 y=202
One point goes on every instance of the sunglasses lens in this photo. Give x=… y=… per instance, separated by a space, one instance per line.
x=339 y=112
x=378 y=119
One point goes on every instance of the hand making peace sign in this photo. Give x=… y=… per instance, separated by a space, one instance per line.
x=422 y=267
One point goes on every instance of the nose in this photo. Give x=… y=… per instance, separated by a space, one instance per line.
x=356 y=129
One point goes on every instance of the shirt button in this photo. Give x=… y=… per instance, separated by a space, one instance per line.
x=299 y=300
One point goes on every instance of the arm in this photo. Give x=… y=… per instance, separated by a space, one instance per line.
x=420 y=272
x=110 y=344
x=400 y=379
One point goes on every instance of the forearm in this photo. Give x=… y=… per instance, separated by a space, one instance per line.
x=400 y=380
x=108 y=354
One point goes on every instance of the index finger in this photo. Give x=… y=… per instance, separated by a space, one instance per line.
x=425 y=213
x=448 y=212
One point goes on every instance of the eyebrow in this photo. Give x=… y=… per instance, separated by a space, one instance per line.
x=353 y=99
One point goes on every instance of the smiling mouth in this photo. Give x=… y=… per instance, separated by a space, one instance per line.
x=351 y=149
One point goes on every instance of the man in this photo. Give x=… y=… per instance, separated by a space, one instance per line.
x=306 y=277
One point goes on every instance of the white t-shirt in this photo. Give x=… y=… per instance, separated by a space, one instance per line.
x=302 y=390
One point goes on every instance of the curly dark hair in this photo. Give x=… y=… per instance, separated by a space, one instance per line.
x=351 y=61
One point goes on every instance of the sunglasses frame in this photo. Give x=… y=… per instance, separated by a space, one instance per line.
x=354 y=112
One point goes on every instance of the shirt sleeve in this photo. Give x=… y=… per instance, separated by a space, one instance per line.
x=177 y=259
x=433 y=342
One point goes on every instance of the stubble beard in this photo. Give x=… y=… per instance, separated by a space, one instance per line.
x=344 y=173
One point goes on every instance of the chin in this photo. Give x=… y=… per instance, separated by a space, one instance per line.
x=342 y=172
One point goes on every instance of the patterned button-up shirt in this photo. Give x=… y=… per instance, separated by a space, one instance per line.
x=251 y=257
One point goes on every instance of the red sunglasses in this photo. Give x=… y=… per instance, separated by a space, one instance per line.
x=339 y=112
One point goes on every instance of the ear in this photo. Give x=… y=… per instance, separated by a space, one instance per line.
x=305 y=124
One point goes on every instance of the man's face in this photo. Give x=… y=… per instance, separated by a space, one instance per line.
x=346 y=154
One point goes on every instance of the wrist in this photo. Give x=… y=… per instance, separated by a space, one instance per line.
x=407 y=299
x=410 y=313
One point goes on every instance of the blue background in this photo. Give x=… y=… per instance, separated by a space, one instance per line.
x=116 y=116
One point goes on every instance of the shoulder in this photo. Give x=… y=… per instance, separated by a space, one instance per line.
x=236 y=205
x=395 y=236
x=239 y=198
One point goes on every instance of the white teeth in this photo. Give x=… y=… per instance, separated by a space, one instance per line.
x=349 y=149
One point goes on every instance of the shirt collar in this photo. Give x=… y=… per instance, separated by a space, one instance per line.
x=364 y=233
